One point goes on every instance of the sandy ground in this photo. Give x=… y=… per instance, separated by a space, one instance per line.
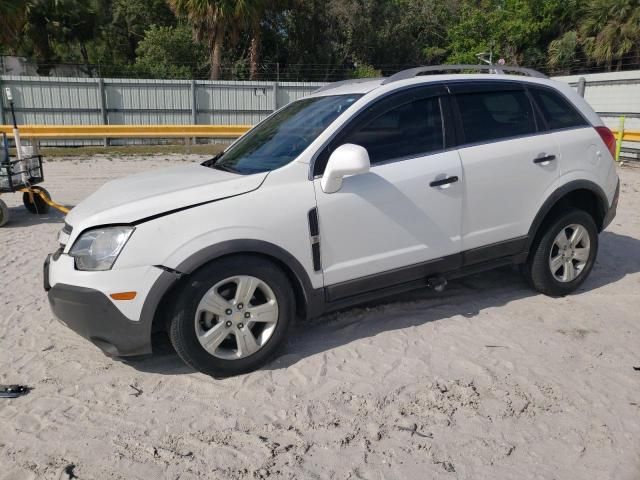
x=488 y=380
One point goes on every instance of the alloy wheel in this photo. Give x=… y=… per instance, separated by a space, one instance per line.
x=236 y=317
x=569 y=253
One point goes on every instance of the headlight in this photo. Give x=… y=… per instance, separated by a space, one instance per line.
x=98 y=249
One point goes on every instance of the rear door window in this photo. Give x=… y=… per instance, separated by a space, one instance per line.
x=557 y=111
x=493 y=115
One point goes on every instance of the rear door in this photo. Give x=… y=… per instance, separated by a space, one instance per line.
x=579 y=144
x=382 y=227
x=508 y=165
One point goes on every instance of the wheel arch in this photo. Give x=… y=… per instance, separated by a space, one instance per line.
x=582 y=194
x=308 y=300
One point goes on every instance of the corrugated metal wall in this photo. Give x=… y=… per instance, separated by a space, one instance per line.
x=612 y=95
x=87 y=101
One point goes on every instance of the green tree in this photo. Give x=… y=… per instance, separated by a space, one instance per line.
x=12 y=19
x=516 y=30
x=169 y=52
x=610 y=31
x=209 y=20
x=564 y=51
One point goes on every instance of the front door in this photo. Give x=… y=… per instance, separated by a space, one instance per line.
x=402 y=220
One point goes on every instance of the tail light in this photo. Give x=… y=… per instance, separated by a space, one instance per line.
x=608 y=138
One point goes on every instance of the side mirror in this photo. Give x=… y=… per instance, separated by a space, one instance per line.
x=347 y=159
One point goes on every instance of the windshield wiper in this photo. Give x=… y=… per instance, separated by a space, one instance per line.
x=212 y=161
x=225 y=168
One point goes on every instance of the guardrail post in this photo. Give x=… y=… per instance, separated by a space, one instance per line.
x=582 y=86
x=194 y=107
x=194 y=104
x=275 y=96
x=619 y=139
x=102 y=101
x=2 y=120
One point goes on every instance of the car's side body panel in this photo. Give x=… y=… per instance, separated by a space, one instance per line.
x=390 y=217
x=502 y=184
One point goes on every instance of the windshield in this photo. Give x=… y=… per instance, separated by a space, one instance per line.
x=282 y=137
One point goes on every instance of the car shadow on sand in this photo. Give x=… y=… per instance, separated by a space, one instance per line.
x=618 y=256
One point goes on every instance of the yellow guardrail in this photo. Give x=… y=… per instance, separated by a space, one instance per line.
x=623 y=135
x=127 y=131
x=628 y=136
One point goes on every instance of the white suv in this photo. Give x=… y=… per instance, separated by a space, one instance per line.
x=365 y=188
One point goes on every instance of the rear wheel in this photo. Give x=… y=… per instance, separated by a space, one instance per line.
x=38 y=205
x=232 y=316
x=564 y=255
x=4 y=213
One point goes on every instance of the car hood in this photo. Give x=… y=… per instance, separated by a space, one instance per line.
x=144 y=195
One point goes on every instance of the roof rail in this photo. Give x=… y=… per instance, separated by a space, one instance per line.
x=330 y=86
x=501 y=69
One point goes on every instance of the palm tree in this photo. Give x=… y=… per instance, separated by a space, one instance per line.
x=562 y=52
x=610 y=30
x=209 y=21
x=250 y=13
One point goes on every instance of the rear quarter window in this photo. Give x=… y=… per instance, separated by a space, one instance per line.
x=556 y=110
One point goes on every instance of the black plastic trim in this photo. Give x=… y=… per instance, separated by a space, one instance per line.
x=494 y=251
x=444 y=181
x=312 y=299
x=92 y=315
x=546 y=158
x=315 y=252
x=314 y=228
x=379 y=281
x=557 y=195
x=45 y=273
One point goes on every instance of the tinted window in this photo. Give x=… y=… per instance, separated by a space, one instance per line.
x=495 y=115
x=282 y=137
x=557 y=112
x=409 y=129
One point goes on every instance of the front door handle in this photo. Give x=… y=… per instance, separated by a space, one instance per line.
x=545 y=159
x=444 y=181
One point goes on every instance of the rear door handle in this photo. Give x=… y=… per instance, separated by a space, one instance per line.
x=546 y=158
x=444 y=181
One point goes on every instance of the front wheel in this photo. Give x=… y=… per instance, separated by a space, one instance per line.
x=232 y=315
x=564 y=256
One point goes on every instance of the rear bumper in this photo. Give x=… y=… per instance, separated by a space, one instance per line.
x=92 y=315
x=611 y=213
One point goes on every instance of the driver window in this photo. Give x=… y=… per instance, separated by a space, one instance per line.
x=411 y=129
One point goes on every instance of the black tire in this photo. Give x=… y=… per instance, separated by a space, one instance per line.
x=38 y=205
x=537 y=270
x=182 y=326
x=4 y=213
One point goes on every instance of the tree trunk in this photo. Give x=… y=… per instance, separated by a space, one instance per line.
x=254 y=54
x=216 y=53
x=85 y=58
